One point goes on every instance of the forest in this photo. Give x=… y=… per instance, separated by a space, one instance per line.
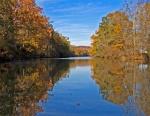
x=25 y=32
x=80 y=50
x=124 y=34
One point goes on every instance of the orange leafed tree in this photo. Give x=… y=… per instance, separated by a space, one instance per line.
x=110 y=39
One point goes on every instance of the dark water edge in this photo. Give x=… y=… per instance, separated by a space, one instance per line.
x=9 y=59
x=80 y=86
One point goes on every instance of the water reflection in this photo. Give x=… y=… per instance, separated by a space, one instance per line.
x=126 y=84
x=24 y=85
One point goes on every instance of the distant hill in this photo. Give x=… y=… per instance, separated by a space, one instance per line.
x=81 y=50
x=84 y=47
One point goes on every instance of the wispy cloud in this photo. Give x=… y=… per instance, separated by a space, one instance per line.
x=76 y=19
x=74 y=9
x=73 y=28
x=77 y=32
x=80 y=43
x=48 y=1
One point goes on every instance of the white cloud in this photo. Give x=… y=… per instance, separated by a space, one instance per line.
x=74 y=28
x=48 y=1
x=74 y=9
x=75 y=19
x=81 y=43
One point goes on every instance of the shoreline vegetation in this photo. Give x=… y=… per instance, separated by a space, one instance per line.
x=26 y=33
x=124 y=34
x=76 y=51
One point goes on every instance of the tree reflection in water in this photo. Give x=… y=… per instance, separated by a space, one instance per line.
x=126 y=84
x=23 y=85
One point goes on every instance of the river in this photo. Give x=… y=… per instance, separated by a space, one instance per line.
x=79 y=86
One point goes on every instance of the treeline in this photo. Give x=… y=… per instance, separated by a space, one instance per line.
x=26 y=32
x=80 y=50
x=124 y=34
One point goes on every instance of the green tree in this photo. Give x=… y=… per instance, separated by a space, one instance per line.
x=8 y=29
x=59 y=45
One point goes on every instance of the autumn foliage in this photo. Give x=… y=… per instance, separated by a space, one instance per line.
x=80 y=50
x=119 y=82
x=26 y=32
x=123 y=34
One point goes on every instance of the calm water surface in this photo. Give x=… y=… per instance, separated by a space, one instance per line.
x=74 y=87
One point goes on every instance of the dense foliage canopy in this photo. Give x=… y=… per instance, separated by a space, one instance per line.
x=26 y=32
x=124 y=34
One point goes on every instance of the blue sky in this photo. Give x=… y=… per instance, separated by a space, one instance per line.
x=78 y=19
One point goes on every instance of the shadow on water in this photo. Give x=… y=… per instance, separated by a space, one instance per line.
x=126 y=84
x=24 y=84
